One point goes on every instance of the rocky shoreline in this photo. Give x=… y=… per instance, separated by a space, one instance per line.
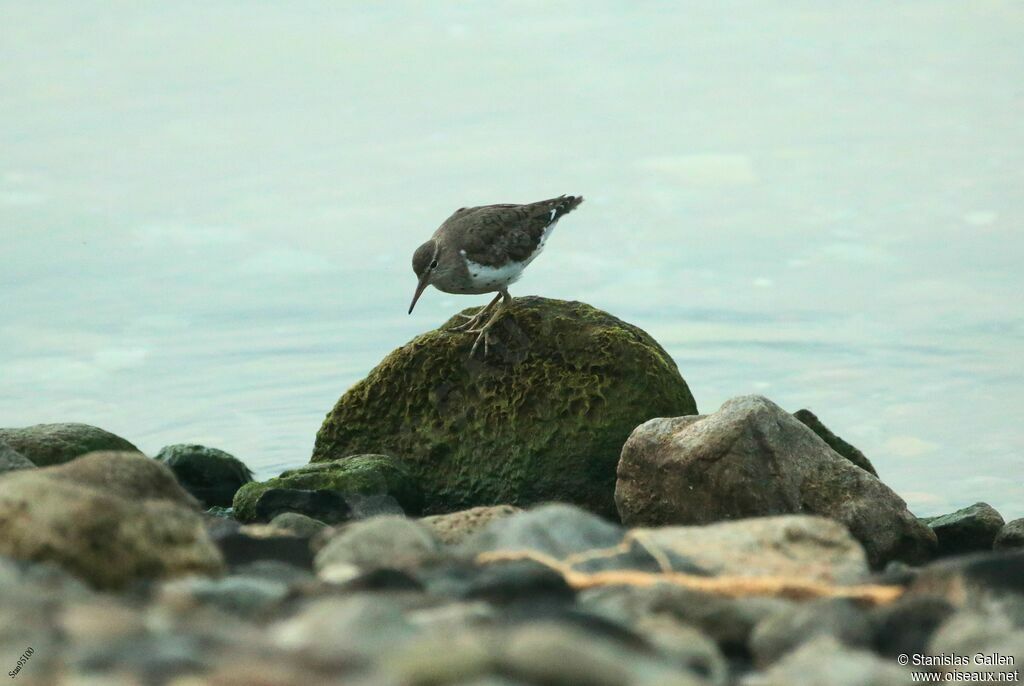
x=558 y=513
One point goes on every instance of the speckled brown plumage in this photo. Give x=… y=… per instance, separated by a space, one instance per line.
x=494 y=234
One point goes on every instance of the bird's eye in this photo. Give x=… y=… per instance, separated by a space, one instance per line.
x=433 y=265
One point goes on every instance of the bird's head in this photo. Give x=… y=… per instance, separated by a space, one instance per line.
x=424 y=263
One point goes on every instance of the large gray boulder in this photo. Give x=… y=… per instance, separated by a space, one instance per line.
x=49 y=444
x=750 y=459
x=107 y=518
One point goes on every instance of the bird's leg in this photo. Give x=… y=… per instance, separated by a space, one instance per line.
x=475 y=319
x=483 y=333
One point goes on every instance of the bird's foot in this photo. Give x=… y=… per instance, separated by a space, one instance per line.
x=472 y=321
x=483 y=334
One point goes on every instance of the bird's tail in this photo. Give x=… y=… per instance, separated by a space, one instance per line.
x=562 y=205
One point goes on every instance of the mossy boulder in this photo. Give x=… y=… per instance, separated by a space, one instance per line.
x=50 y=444
x=541 y=417
x=324 y=485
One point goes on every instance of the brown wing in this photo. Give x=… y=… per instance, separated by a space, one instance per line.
x=492 y=234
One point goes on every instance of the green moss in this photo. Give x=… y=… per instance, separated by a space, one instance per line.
x=362 y=474
x=542 y=417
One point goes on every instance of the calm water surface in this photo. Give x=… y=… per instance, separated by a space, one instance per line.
x=207 y=210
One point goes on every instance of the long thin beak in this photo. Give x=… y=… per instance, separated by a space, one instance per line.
x=420 y=287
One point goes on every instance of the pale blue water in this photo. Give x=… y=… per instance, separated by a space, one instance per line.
x=207 y=210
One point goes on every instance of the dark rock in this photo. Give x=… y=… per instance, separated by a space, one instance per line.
x=329 y=491
x=299 y=524
x=835 y=442
x=1011 y=536
x=241 y=548
x=970 y=580
x=543 y=419
x=96 y=533
x=824 y=660
x=968 y=530
x=752 y=458
x=329 y=507
x=905 y=627
x=519 y=582
x=383 y=579
x=124 y=474
x=49 y=444
x=391 y=542
x=455 y=527
x=11 y=460
x=211 y=475
x=785 y=631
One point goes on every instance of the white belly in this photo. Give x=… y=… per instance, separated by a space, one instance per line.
x=485 y=279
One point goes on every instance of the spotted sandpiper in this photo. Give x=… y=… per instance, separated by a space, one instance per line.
x=483 y=250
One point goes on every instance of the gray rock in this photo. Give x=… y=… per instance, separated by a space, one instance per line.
x=211 y=475
x=380 y=542
x=782 y=633
x=126 y=475
x=246 y=596
x=562 y=531
x=555 y=653
x=835 y=442
x=1011 y=536
x=275 y=570
x=338 y=631
x=299 y=524
x=824 y=660
x=685 y=647
x=11 y=460
x=752 y=458
x=967 y=530
x=104 y=538
x=374 y=505
x=798 y=546
x=727 y=621
x=970 y=631
x=557 y=530
x=455 y=527
x=49 y=444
